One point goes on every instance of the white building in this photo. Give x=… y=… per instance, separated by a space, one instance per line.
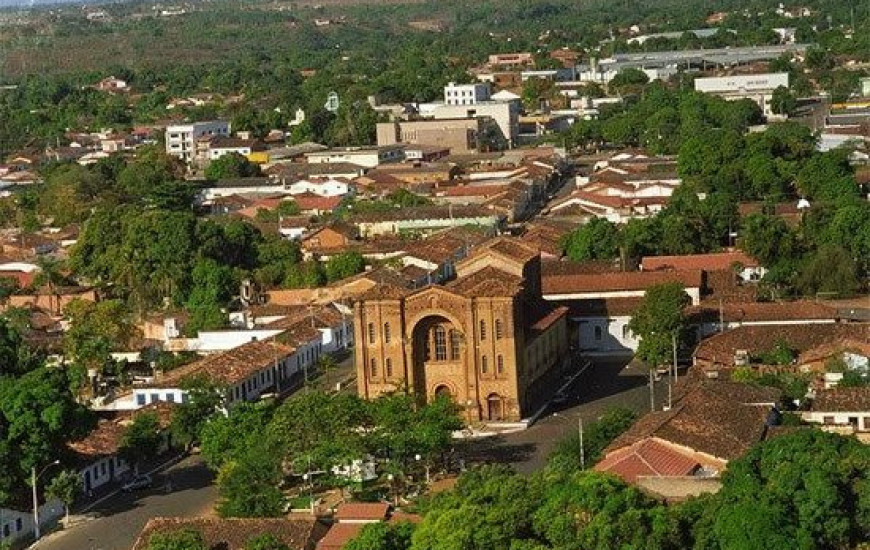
x=181 y=139
x=368 y=157
x=841 y=408
x=466 y=94
x=757 y=87
x=322 y=187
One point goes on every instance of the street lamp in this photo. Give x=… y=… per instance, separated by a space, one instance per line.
x=580 y=434
x=34 y=477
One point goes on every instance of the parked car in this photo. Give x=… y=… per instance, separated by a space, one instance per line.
x=137 y=483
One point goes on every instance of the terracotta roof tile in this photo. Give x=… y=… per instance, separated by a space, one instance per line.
x=762 y=311
x=611 y=282
x=488 y=282
x=339 y=535
x=723 y=261
x=648 y=457
x=369 y=511
x=842 y=400
x=230 y=366
x=720 y=349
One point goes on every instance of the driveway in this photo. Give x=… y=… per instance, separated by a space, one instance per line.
x=120 y=518
x=608 y=384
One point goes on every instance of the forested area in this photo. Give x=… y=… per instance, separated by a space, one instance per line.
x=258 y=78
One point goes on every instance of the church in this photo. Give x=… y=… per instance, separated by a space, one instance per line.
x=487 y=339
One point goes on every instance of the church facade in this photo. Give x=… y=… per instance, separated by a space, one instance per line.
x=487 y=339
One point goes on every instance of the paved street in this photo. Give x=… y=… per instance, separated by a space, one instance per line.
x=608 y=384
x=122 y=517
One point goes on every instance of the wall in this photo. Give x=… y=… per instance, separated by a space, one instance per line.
x=607 y=336
x=18 y=524
x=839 y=418
x=102 y=471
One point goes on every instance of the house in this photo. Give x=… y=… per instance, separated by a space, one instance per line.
x=362 y=512
x=601 y=303
x=757 y=87
x=350 y=517
x=291 y=171
x=841 y=407
x=322 y=187
x=112 y=84
x=97 y=455
x=738 y=346
x=181 y=139
x=23 y=273
x=334 y=236
x=245 y=187
x=236 y=533
x=747 y=268
x=315 y=205
x=55 y=301
x=333 y=321
x=368 y=157
x=682 y=451
x=294 y=227
x=422 y=219
x=615 y=209
x=209 y=148
x=710 y=317
x=246 y=372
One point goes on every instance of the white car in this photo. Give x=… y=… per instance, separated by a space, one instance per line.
x=137 y=483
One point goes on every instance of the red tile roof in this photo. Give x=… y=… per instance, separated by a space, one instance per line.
x=720 y=349
x=229 y=367
x=723 y=261
x=762 y=311
x=648 y=457
x=842 y=400
x=365 y=511
x=613 y=282
x=339 y=535
x=310 y=202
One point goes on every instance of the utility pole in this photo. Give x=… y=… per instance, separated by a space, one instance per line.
x=674 y=367
x=652 y=398
x=582 y=450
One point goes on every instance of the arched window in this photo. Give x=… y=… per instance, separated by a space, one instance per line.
x=499 y=365
x=386 y=333
x=371 y=333
x=499 y=330
x=484 y=365
x=455 y=345
x=482 y=331
x=440 y=343
x=373 y=369
x=388 y=367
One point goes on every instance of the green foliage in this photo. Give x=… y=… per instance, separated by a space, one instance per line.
x=816 y=499
x=203 y=400
x=65 y=487
x=831 y=270
x=658 y=320
x=597 y=435
x=854 y=379
x=343 y=265
x=266 y=541
x=141 y=439
x=213 y=287
x=184 y=539
x=232 y=165
x=783 y=102
x=226 y=437
x=383 y=536
x=248 y=487
x=781 y=354
x=597 y=240
x=96 y=330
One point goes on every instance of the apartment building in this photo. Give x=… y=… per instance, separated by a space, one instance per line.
x=181 y=139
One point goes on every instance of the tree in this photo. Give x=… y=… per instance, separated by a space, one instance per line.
x=658 y=320
x=597 y=435
x=227 y=437
x=213 y=287
x=383 y=536
x=204 y=398
x=343 y=265
x=96 y=329
x=266 y=541
x=185 y=539
x=783 y=102
x=597 y=240
x=248 y=486
x=816 y=499
x=628 y=81
x=141 y=440
x=65 y=487
x=232 y=165
x=830 y=270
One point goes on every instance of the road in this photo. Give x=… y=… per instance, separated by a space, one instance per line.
x=606 y=385
x=121 y=517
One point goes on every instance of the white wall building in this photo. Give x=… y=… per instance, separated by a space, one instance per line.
x=466 y=94
x=181 y=139
x=757 y=87
x=368 y=157
x=329 y=187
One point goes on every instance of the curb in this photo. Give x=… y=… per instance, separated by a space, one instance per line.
x=168 y=464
